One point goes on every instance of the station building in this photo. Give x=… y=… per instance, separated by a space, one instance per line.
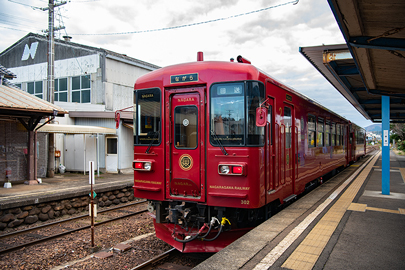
x=91 y=84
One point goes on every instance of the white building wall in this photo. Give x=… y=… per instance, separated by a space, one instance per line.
x=120 y=81
x=63 y=68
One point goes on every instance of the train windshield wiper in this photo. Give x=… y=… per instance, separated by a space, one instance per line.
x=219 y=142
x=155 y=135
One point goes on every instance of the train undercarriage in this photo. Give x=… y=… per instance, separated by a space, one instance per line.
x=191 y=226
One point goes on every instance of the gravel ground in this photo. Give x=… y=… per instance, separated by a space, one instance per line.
x=78 y=246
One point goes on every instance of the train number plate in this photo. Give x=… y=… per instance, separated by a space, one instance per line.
x=193 y=77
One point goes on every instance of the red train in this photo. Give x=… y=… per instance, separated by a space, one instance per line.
x=220 y=145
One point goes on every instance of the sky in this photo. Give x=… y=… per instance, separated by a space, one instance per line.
x=267 y=32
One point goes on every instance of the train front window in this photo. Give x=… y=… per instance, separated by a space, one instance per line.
x=147 y=117
x=228 y=114
x=185 y=129
x=233 y=114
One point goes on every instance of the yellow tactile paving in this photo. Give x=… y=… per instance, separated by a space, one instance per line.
x=359 y=207
x=302 y=257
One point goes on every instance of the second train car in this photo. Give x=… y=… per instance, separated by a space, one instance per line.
x=219 y=145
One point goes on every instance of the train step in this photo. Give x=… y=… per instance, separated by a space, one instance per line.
x=290 y=198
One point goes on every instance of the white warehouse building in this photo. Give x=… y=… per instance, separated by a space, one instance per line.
x=91 y=83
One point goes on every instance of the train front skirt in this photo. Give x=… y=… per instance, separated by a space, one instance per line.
x=167 y=231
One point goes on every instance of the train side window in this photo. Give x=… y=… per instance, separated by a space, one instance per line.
x=338 y=133
x=311 y=131
x=320 y=128
x=287 y=124
x=270 y=121
x=333 y=134
x=327 y=133
x=254 y=97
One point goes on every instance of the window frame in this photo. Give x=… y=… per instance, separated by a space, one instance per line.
x=320 y=124
x=311 y=129
x=249 y=110
x=175 y=127
x=81 y=89
x=327 y=129
x=57 y=90
x=35 y=90
x=287 y=133
x=333 y=133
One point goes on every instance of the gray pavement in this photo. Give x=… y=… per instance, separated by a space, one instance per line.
x=374 y=239
x=370 y=239
x=60 y=187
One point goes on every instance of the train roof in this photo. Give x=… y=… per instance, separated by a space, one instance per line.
x=207 y=71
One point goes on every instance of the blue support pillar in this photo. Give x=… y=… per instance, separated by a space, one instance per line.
x=385 y=181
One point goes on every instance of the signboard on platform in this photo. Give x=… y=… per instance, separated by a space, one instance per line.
x=386 y=141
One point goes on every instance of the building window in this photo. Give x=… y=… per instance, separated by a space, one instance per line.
x=81 y=89
x=35 y=88
x=112 y=146
x=61 y=91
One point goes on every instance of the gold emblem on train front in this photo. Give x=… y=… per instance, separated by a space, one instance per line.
x=186 y=162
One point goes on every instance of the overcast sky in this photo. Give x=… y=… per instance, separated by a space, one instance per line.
x=270 y=38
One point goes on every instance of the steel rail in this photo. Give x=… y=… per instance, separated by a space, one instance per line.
x=155 y=259
x=66 y=220
x=67 y=232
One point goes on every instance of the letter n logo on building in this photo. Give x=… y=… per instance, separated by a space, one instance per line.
x=27 y=51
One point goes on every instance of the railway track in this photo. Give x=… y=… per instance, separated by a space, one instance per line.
x=68 y=231
x=148 y=264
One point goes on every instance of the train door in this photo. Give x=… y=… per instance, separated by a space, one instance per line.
x=185 y=154
x=270 y=149
x=289 y=145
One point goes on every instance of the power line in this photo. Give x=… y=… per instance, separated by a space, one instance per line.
x=191 y=24
x=15 y=29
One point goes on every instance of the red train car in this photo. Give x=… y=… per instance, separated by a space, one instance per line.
x=212 y=165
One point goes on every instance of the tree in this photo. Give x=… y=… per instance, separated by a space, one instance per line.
x=398 y=131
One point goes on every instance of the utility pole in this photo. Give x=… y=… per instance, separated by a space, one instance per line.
x=51 y=79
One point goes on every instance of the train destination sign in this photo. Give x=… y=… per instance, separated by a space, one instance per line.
x=193 y=77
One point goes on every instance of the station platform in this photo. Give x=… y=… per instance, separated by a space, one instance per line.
x=62 y=186
x=346 y=223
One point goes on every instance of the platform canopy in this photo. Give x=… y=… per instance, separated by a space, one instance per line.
x=371 y=63
x=76 y=129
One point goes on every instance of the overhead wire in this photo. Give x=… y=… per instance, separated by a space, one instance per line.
x=188 y=25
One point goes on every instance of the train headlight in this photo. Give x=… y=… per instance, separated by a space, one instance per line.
x=140 y=165
x=224 y=169
x=147 y=166
x=232 y=169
